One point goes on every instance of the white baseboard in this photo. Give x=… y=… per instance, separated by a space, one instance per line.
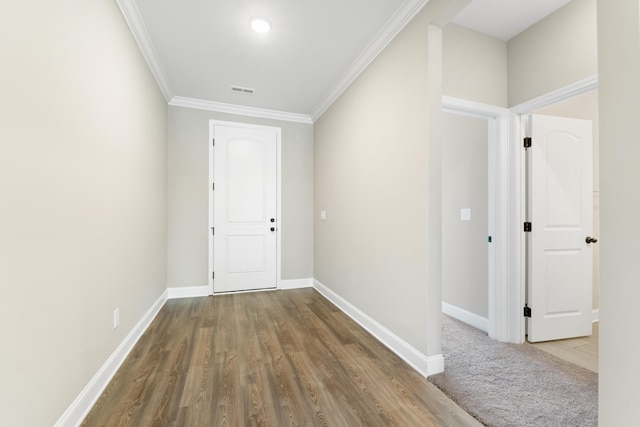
x=596 y=315
x=188 y=292
x=75 y=414
x=296 y=283
x=425 y=365
x=465 y=316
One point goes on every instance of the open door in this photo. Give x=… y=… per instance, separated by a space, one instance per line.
x=559 y=245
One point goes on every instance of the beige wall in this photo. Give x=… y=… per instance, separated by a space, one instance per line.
x=557 y=51
x=372 y=173
x=585 y=106
x=465 y=185
x=188 y=192
x=82 y=205
x=619 y=104
x=474 y=66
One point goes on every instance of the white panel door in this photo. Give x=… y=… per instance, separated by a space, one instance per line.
x=561 y=213
x=244 y=211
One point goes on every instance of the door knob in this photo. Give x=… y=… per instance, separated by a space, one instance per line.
x=591 y=240
x=273 y=229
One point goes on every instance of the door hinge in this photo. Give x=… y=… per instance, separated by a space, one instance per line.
x=527 y=311
x=489 y=239
x=527 y=227
x=213 y=275
x=527 y=142
x=213 y=231
x=213 y=186
x=213 y=142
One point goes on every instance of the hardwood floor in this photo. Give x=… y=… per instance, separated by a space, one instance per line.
x=280 y=358
x=581 y=351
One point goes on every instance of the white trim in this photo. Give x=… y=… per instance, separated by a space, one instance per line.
x=466 y=316
x=517 y=193
x=499 y=202
x=296 y=283
x=200 y=104
x=595 y=315
x=425 y=365
x=78 y=410
x=136 y=25
x=435 y=364
x=472 y=108
x=188 y=292
x=516 y=242
x=210 y=220
x=558 y=95
x=279 y=221
x=278 y=130
x=398 y=21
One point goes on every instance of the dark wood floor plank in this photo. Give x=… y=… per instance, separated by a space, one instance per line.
x=283 y=358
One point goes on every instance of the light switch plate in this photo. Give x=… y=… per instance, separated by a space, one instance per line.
x=465 y=214
x=323 y=214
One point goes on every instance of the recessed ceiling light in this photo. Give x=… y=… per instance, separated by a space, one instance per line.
x=260 y=25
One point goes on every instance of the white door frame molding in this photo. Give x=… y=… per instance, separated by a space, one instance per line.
x=212 y=125
x=517 y=255
x=498 y=125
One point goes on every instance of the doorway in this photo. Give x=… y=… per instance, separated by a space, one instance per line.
x=507 y=162
x=578 y=100
x=465 y=221
x=244 y=207
x=585 y=106
x=496 y=123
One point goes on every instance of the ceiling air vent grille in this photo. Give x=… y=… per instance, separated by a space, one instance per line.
x=240 y=89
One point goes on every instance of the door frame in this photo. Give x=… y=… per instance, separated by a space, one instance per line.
x=278 y=130
x=518 y=201
x=498 y=208
x=507 y=269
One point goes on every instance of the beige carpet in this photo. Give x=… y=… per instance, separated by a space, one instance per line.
x=513 y=385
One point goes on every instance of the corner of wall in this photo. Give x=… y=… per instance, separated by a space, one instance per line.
x=79 y=409
x=425 y=365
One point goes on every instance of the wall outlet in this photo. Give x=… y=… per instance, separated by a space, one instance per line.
x=116 y=318
x=323 y=214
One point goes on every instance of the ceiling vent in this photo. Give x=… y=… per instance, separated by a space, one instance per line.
x=240 y=89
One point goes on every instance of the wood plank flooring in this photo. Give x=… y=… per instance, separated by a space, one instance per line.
x=281 y=358
x=581 y=351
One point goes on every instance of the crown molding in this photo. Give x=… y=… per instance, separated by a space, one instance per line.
x=398 y=21
x=139 y=30
x=180 y=101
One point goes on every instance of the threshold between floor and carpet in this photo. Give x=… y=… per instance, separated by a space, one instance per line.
x=513 y=384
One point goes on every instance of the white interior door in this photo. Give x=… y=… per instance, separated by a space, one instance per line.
x=560 y=206
x=244 y=208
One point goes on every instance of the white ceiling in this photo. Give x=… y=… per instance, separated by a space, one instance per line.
x=504 y=19
x=198 y=49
